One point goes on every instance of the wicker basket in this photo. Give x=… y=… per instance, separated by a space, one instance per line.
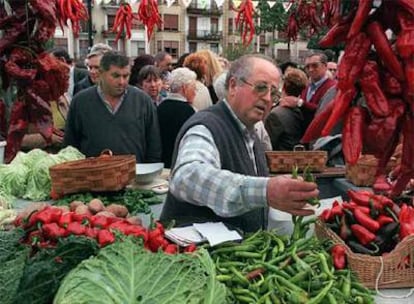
x=285 y=161
x=362 y=174
x=103 y=173
x=395 y=270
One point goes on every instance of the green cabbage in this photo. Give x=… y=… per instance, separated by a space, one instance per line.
x=124 y=273
x=27 y=175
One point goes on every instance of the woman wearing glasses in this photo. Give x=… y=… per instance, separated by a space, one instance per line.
x=219 y=168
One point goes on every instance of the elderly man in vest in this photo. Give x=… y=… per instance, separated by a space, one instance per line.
x=219 y=166
x=320 y=90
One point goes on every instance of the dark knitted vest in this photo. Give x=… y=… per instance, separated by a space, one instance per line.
x=234 y=157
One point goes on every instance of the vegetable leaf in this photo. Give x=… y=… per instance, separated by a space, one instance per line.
x=125 y=273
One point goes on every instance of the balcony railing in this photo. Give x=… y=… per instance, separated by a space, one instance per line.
x=201 y=9
x=204 y=35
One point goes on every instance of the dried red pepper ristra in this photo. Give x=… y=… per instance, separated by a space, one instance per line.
x=73 y=10
x=370 y=85
x=244 y=21
x=352 y=135
x=18 y=124
x=384 y=50
x=380 y=132
x=391 y=85
x=361 y=16
x=353 y=60
x=149 y=15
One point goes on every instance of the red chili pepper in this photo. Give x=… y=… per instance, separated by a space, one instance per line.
x=362 y=13
x=406 y=217
x=65 y=219
x=46 y=215
x=336 y=35
x=342 y=101
x=352 y=62
x=76 y=229
x=352 y=134
x=351 y=206
x=171 y=249
x=314 y=129
x=100 y=221
x=105 y=237
x=384 y=219
x=366 y=221
x=338 y=253
x=81 y=218
x=190 y=248
x=325 y=216
x=91 y=232
x=53 y=231
x=384 y=50
x=138 y=231
x=363 y=235
x=121 y=226
x=371 y=87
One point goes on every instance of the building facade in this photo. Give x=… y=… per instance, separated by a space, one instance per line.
x=201 y=25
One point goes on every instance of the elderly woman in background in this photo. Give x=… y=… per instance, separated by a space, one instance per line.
x=286 y=126
x=214 y=70
x=176 y=109
x=149 y=80
x=198 y=63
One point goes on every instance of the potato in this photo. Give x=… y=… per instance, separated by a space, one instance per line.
x=31 y=208
x=106 y=213
x=134 y=220
x=96 y=205
x=118 y=210
x=82 y=209
x=74 y=204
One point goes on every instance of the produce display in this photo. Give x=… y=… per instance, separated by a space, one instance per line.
x=135 y=200
x=375 y=94
x=267 y=268
x=27 y=176
x=368 y=223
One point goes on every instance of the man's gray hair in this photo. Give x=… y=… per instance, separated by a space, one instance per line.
x=322 y=56
x=180 y=77
x=99 y=49
x=242 y=67
x=219 y=85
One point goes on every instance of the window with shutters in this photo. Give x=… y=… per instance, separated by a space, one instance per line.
x=170 y=22
x=171 y=47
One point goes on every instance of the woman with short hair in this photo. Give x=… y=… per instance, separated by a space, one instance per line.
x=149 y=80
x=174 y=111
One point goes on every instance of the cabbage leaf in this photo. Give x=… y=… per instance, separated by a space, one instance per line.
x=125 y=273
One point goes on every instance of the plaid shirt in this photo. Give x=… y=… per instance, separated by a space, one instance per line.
x=197 y=176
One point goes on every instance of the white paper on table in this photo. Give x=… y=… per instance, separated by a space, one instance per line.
x=186 y=235
x=217 y=233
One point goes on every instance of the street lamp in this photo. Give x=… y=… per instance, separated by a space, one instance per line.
x=90 y=31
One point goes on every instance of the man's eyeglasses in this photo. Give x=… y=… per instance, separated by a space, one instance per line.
x=332 y=70
x=262 y=88
x=313 y=65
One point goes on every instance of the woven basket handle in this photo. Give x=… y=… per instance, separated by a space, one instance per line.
x=299 y=148
x=106 y=153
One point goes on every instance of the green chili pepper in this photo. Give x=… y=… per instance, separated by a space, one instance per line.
x=319 y=297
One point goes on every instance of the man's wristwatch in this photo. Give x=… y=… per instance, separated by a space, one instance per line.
x=300 y=102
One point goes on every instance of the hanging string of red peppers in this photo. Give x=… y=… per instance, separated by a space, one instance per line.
x=245 y=22
x=373 y=66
